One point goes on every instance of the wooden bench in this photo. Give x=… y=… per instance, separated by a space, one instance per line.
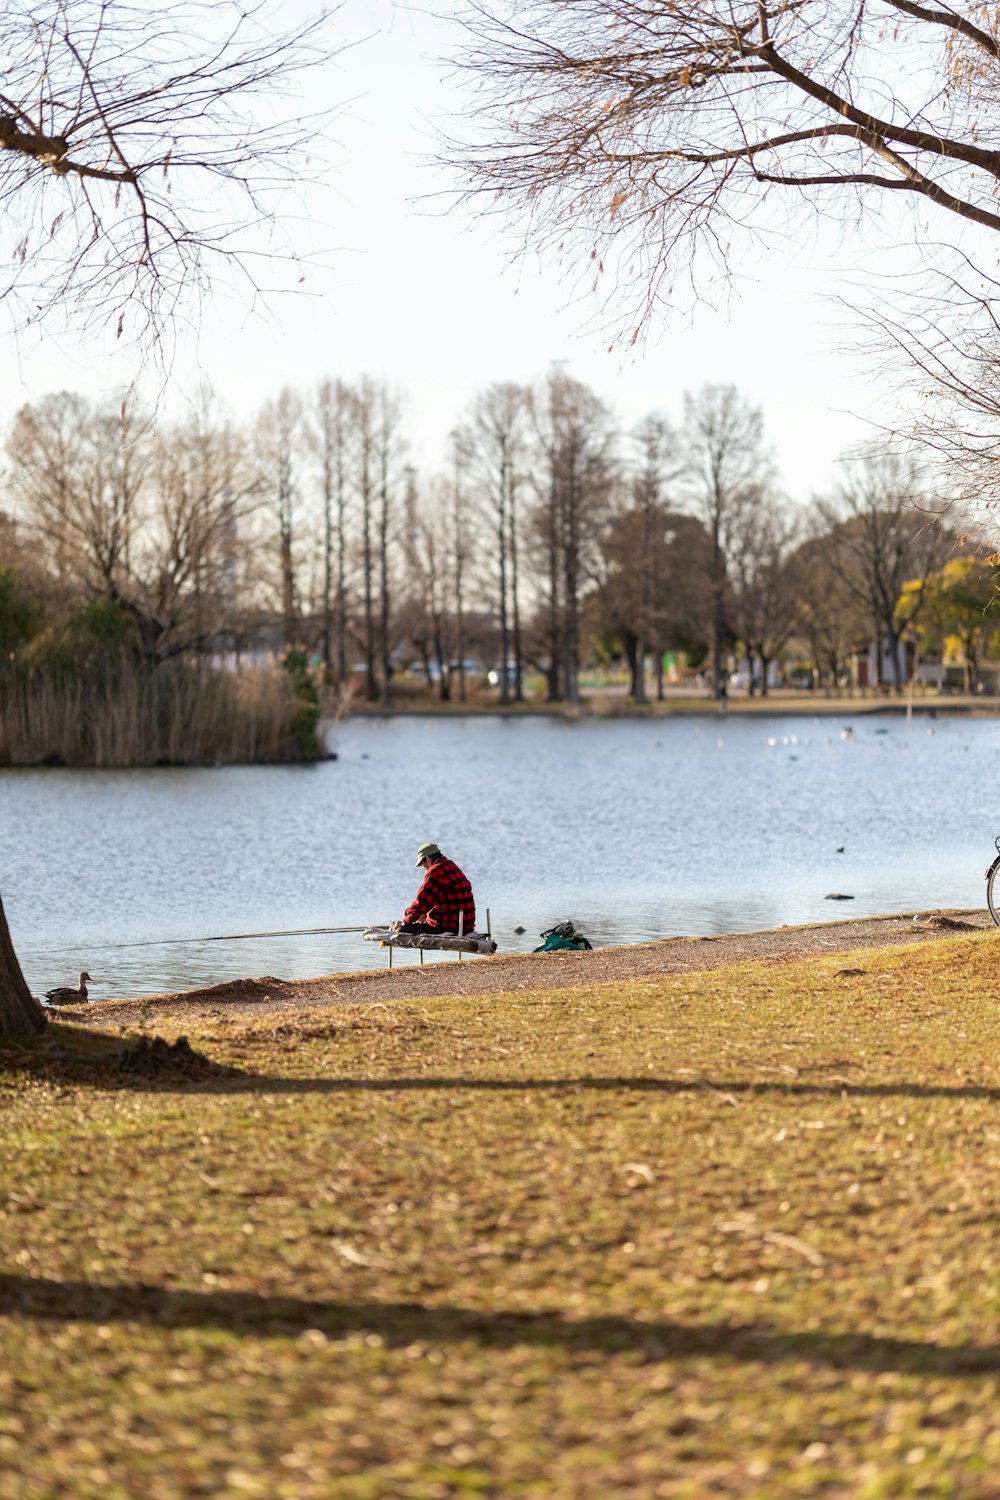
x=480 y=943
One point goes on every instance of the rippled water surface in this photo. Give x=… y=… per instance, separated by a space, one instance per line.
x=635 y=829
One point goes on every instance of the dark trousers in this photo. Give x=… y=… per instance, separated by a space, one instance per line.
x=424 y=929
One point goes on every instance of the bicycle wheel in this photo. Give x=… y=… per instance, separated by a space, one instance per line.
x=993 y=890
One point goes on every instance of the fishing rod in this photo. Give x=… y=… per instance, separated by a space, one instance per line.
x=236 y=937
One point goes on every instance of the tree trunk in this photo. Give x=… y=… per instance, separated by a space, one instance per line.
x=630 y=647
x=639 y=671
x=571 y=585
x=502 y=561
x=20 y=1013
x=515 y=604
x=385 y=643
x=341 y=566
x=718 y=579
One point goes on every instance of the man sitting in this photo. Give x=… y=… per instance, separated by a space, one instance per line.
x=445 y=895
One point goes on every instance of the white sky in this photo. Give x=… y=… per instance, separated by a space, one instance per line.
x=433 y=300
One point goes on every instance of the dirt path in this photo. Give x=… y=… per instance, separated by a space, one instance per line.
x=535 y=971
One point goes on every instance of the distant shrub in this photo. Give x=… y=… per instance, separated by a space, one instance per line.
x=96 y=636
x=305 y=688
x=20 y=616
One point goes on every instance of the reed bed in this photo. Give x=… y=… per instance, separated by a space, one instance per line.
x=175 y=714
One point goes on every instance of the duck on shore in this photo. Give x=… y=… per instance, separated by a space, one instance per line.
x=63 y=995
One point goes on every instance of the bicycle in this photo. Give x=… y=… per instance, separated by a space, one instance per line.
x=993 y=886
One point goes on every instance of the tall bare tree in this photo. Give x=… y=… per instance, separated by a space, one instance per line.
x=655 y=584
x=331 y=437
x=389 y=453
x=425 y=552
x=885 y=531
x=279 y=445
x=657 y=465
x=574 y=480
x=366 y=486
x=201 y=492
x=76 y=473
x=765 y=581
x=459 y=528
x=495 y=441
x=725 y=465
x=831 y=618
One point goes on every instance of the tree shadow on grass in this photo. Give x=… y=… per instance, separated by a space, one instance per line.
x=399 y=1324
x=72 y=1056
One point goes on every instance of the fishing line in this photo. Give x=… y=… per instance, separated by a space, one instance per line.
x=225 y=937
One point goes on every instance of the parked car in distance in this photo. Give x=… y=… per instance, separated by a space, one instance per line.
x=433 y=670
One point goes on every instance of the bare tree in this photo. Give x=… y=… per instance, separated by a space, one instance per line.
x=657 y=566
x=76 y=472
x=389 y=449
x=137 y=146
x=279 y=441
x=460 y=528
x=830 y=616
x=365 y=480
x=657 y=465
x=765 y=581
x=725 y=466
x=425 y=552
x=885 y=531
x=653 y=133
x=495 y=442
x=331 y=438
x=201 y=492
x=574 y=481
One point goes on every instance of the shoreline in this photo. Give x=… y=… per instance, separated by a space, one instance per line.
x=599 y=707
x=508 y=973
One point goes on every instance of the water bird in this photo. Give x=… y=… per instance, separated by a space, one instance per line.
x=839 y=849
x=64 y=995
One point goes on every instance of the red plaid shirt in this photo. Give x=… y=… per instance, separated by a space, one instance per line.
x=444 y=893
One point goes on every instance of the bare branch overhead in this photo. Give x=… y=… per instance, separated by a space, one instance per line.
x=656 y=131
x=141 y=146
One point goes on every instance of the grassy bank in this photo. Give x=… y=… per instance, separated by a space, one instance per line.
x=729 y=1233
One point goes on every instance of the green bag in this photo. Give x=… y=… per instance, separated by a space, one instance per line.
x=555 y=940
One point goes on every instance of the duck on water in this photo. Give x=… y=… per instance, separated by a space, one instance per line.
x=64 y=995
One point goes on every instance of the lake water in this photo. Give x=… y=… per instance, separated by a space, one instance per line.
x=635 y=829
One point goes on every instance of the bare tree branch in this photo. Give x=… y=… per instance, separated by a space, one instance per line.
x=649 y=135
x=141 y=147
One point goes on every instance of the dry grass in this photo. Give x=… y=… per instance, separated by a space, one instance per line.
x=727 y=1233
x=176 y=715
